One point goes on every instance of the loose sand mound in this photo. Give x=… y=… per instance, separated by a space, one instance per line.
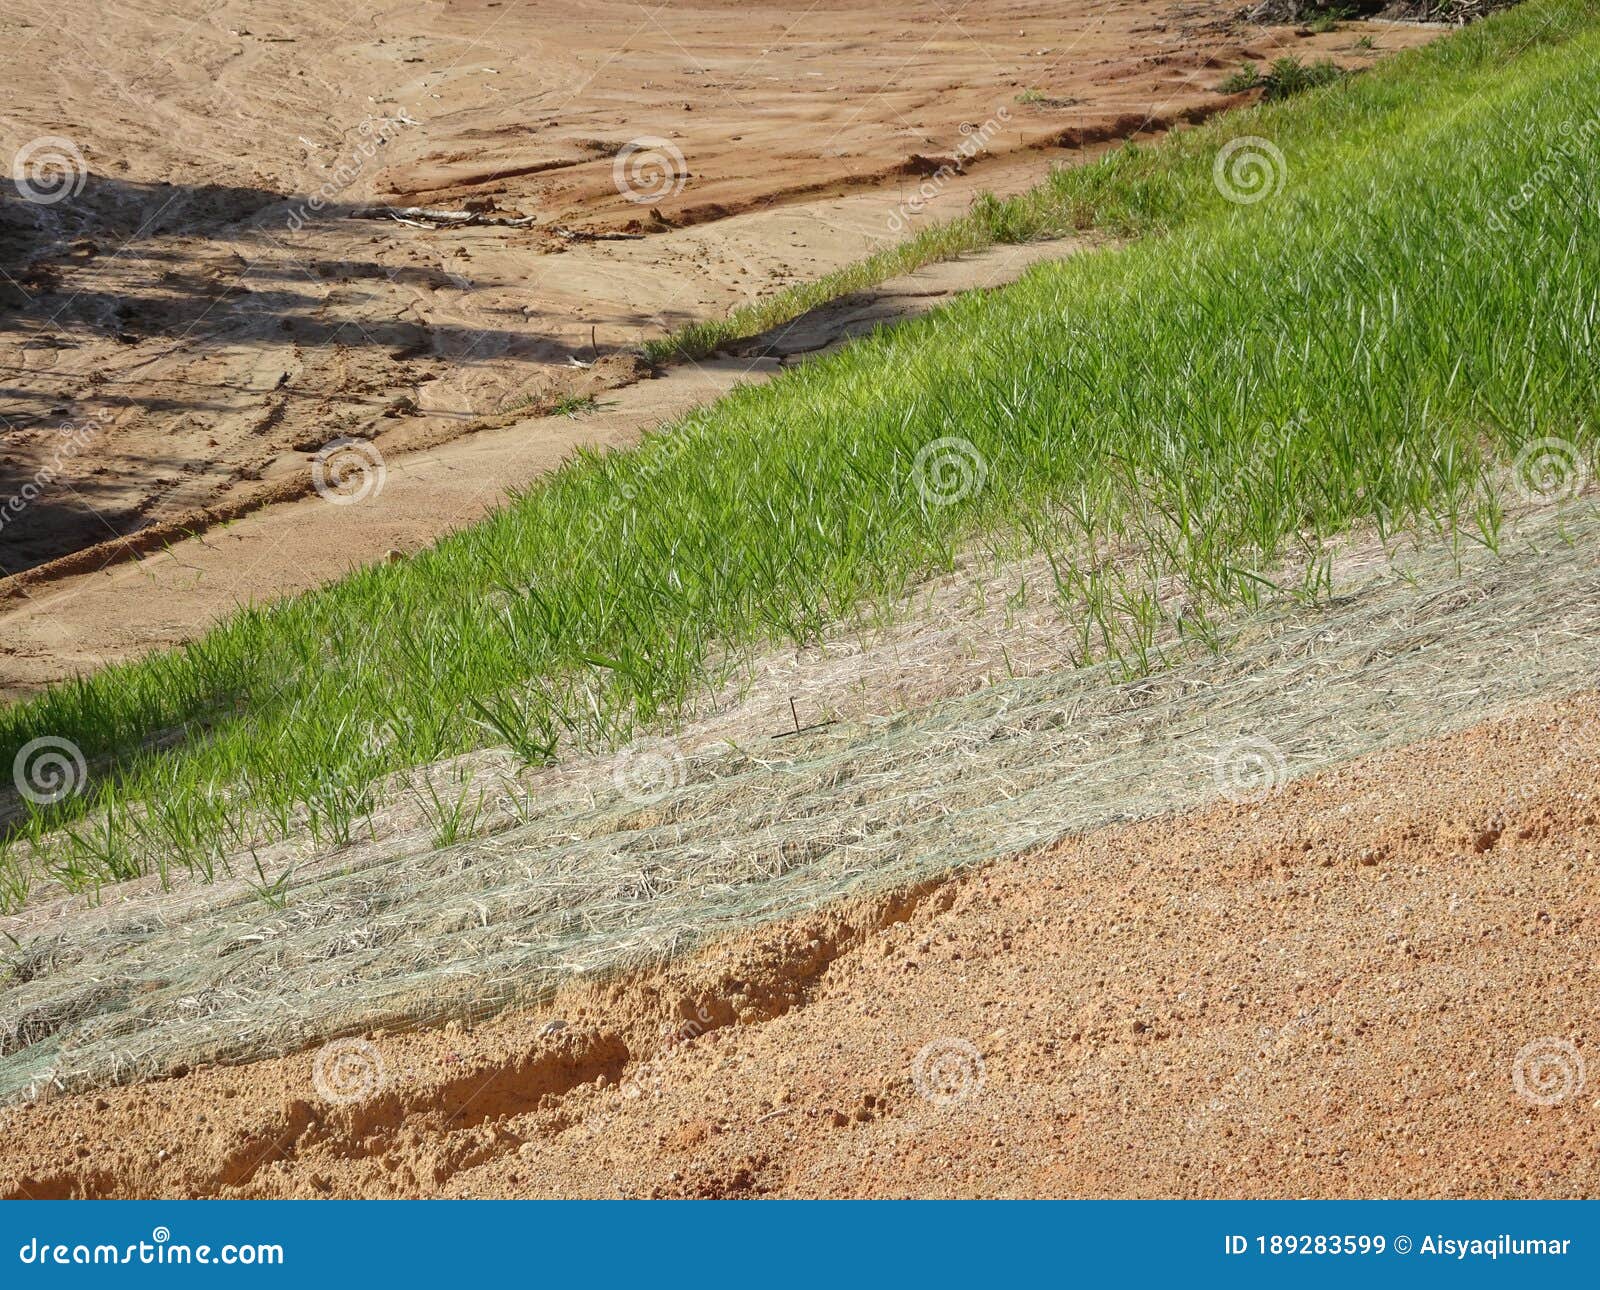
x=1379 y=982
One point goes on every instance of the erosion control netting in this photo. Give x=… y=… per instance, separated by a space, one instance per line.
x=397 y=933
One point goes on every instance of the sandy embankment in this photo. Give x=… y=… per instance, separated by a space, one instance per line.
x=210 y=331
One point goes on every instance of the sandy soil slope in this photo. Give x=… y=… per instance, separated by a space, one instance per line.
x=203 y=316
x=1379 y=982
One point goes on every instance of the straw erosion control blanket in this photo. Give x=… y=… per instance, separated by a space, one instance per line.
x=610 y=863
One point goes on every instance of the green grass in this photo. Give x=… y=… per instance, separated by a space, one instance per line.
x=573 y=405
x=1242 y=385
x=1287 y=76
x=1247 y=77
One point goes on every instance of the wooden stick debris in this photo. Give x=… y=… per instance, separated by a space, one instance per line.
x=432 y=217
